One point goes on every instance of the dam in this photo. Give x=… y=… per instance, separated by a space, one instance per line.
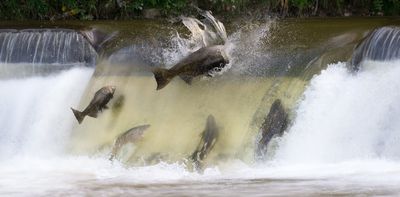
x=342 y=134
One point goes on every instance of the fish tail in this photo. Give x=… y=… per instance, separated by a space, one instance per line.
x=111 y=157
x=114 y=151
x=162 y=76
x=97 y=38
x=78 y=115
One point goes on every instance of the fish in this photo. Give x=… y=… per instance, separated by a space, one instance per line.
x=201 y=62
x=131 y=136
x=208 y=139
x=98 y=103
x=97 y=37
x=274 y=125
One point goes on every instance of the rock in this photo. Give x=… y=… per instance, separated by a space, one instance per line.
x=347 y=14
x=274 y=125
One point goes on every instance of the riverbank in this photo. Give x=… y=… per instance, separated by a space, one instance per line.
x=224 y=9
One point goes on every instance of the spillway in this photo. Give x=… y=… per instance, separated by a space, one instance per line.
x=342 y=135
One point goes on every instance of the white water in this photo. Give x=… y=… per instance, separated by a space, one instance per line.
x=344 y=140
x=35 y=115
x=346 y=117
x=41 y=46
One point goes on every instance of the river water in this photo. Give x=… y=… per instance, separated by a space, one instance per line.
x=342 y=139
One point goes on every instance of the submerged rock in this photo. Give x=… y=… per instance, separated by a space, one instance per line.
x=274 y=125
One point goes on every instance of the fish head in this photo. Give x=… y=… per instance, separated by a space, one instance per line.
x=224 y=56
x=138 y=132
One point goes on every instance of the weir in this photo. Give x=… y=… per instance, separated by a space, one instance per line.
x=30 y=52
x=45 y=46
x=339 y=129
x=239 y=98
x=380 y=45
x=268 y=63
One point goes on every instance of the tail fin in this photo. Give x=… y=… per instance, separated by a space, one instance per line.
x=111 y=158
x=97 y=37
x=113 y=153
x=162 y=76
x=78 y=115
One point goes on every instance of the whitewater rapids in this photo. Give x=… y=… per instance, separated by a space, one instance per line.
x=343 y=140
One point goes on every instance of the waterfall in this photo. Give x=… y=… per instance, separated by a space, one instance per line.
x=343 y=127
x=381 y=44
x=45 y=46
x=35 y=115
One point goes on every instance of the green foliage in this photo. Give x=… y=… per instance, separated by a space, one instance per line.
x=37 y=9
x=166 y=6
x=117 y=9
x=11 y=10
x=391 y=7
x=301 y=4
x=377 y=5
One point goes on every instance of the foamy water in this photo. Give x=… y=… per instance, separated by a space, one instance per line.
x=35 y=114
x=345 y=116
x=78 y=176
x=343 y=141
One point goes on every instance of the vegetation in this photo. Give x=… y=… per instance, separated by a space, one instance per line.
x=126 y=9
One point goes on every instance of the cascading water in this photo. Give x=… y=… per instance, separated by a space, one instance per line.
x=344 y=117
x=32 y=52
x=35 y=115
x=171 y=112
x=342 y=132
x=34 y=110
x=381 y=44
x=41 y=46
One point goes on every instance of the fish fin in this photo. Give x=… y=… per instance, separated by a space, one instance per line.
x=195 y=155
x=187 y=79
x=78 y=115
x=162 y=76
x=97 y=38
x=93 y=114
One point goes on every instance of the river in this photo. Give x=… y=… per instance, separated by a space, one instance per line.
x=341 y=140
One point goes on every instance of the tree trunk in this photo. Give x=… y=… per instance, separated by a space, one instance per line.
x=316 y=8
x=284 y=7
